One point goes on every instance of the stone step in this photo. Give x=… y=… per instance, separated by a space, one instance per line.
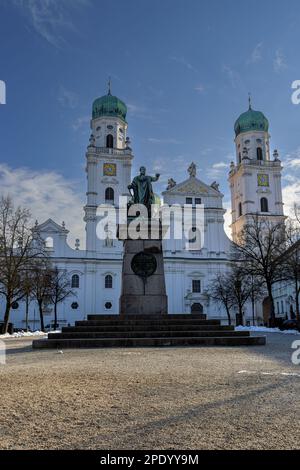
x=147 y=323
x=148 y=342
x=146 y=334
x=178 y=316
x=134 y=327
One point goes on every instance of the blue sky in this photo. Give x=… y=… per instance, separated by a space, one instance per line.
x=184 y=69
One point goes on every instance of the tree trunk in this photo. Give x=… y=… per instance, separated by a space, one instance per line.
x=297 y=305
x=272 y=310
x=228 y=315
x=27 y=312
x=6 y=317
x=41 y=316
x=253 y=310
x=240 y=316
x=55 y=315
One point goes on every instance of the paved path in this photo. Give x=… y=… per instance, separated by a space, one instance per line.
x=192 y=398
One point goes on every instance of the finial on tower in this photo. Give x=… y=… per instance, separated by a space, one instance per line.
x=109 y=86
x=249 y=100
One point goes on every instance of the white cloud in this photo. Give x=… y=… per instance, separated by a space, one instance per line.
x=200 y=88
x=232 y=75
x=292 y=160
x=256 y=54
x=220 y=165
x=291 y=196
x=279 y=61
x=142 y=112
x=50 y=18
x=183 y=61
x=67 y=98
x=80 y=122
x=227 y=218
x=206 y=151
x=293 y=163
x=217 y=170
x=170 y=140
x=47 y=195
x=135 y=110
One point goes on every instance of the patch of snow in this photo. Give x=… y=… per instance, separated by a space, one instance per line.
x=284 y=374
x=21 y=334
x=264 y=329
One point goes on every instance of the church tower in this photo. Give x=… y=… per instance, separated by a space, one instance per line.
x=109 y=159
x=255 y=178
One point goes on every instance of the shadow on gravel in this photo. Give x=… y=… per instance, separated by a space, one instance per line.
x=278 y=348
x=196 y=412
x=24 y=349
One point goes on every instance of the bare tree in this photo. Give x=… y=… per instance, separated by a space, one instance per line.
x=260 y=247
x=41 y=285
x=27 y=296
x=19 y=246
x=243 y=287
x=220 y=291
x=291 y=259
x=60 y=290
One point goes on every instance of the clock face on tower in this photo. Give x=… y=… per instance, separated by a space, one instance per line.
x=109 y=169
x=263 y=180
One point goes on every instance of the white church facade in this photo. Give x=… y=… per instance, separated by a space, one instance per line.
x=95 y=272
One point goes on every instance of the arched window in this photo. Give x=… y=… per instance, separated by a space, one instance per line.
x=108 y=281
x=240 y=209
x=109 y=195
x=240 y=157
x=75 y=281
x=109 y=141
x=264 y=205
x=49 y=243
x=259 y=153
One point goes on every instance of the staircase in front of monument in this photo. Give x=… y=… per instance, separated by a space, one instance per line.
x=103 y=331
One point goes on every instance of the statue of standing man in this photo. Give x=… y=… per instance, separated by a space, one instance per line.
x=142 y=189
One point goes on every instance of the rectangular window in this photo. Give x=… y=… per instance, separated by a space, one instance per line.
x=196 y=285
x=189 y=200
x=197 y=200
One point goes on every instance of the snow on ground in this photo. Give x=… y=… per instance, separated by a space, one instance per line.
x=20 y=334
x=264 y=329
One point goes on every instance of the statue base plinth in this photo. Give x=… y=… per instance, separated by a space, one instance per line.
x=143 y=279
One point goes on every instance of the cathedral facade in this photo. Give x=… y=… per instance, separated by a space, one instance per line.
x=95 y=272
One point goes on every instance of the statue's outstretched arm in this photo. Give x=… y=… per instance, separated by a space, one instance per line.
x=156 y=177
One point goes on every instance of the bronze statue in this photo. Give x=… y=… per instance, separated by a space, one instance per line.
x=142 y=188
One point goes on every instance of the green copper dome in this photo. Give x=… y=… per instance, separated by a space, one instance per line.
x=251 y=121
x=109 y=106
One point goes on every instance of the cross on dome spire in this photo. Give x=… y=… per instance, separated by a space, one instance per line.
x=109 y=86
x=249 y=100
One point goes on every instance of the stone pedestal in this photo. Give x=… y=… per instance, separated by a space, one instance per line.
x=143 y=279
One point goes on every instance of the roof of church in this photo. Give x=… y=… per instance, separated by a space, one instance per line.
x=109 y=105
x=251 y=121
x=50 y=226
x=193 y=186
